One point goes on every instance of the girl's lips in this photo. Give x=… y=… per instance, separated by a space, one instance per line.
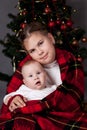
x=45 y=57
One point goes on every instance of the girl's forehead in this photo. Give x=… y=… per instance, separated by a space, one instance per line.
x=34 y=37
x=33 y=40
x=37 y=34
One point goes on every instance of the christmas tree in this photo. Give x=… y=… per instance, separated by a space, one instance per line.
x=57 y=16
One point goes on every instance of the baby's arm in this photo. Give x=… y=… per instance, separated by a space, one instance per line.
x=7 y=97
x=15 y=100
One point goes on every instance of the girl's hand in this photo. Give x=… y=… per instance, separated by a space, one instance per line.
x=17 y=102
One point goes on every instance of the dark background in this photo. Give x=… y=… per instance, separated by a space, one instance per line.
x=9 y=6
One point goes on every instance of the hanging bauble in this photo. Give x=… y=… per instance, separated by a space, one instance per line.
x=20 y=13
x=23 y=25
x=84 y=39
x=63 y=26
x=37 y=1
x=58 y=33
x=79 y=58
x=24 y=12
x=51 y=24
x=69 y=23
x=47 y=9
x=75 y=43
x=60 y=41
x=58 y=21
x=64 y=8
x=74 y=10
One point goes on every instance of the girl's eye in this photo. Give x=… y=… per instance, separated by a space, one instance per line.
x=31 y=51
x=40 y=43
x=38 y=73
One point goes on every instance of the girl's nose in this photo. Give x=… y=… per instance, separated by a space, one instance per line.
x=39 y=51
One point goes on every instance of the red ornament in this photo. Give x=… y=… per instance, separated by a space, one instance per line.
x=51 y=24
x=69 y=23
x=79 y=59
x=58 y=22
x=63 y=27
x=24 y=12
x=47 y=10
x=23 y=25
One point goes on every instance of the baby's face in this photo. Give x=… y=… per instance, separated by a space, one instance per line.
x=34 y=76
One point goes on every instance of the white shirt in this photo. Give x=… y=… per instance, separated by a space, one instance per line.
x=32 y=94
x=53 y=71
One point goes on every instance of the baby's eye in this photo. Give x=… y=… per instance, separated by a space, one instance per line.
x=30 y=76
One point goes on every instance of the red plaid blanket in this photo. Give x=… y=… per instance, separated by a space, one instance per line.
x=47 y=113
x=61 y=110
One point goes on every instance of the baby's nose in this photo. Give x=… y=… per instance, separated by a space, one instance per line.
x=35 y=77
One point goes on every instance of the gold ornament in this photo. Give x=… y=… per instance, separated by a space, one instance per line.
x=75 y=42
x=58 y=33
x=37 y=1
x=60 y=42
x=74 y=10
x=84 y=39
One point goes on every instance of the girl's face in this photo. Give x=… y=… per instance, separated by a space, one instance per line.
x=40 y=47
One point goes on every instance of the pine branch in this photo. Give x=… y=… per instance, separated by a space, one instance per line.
x=4 y=77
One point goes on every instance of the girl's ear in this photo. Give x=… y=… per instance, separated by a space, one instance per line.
x=51 y=38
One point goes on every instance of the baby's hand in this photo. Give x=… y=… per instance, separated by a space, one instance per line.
x=17 y=102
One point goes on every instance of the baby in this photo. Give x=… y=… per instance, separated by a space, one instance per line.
x=35 y=85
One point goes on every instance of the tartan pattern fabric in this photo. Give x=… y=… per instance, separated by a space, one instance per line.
x=61 y=110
